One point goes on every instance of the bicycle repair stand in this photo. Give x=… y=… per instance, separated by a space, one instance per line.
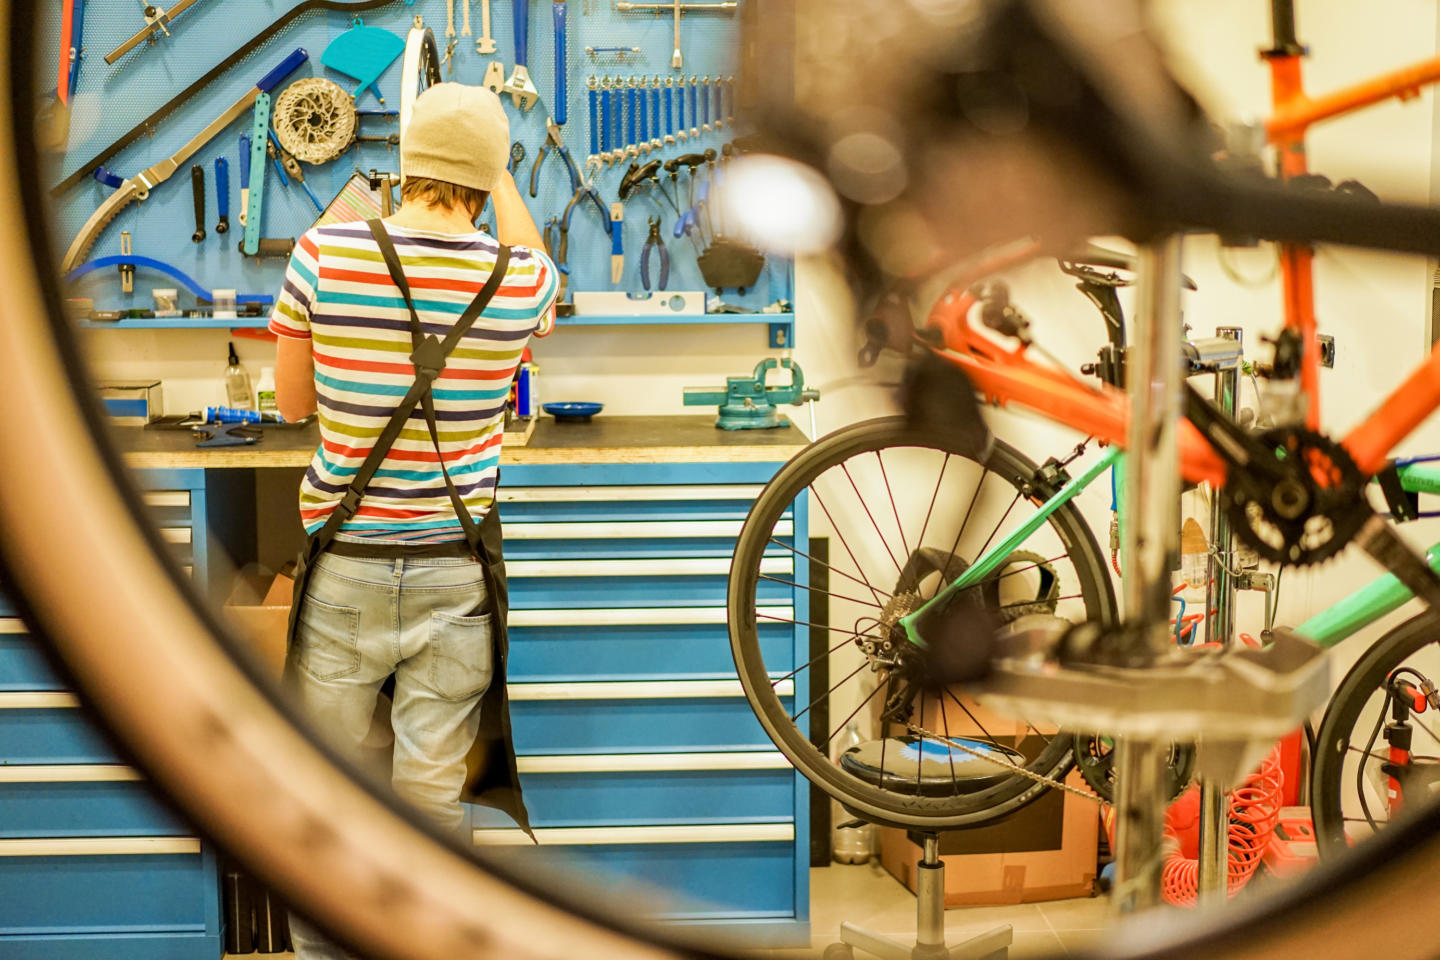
x=929 y=924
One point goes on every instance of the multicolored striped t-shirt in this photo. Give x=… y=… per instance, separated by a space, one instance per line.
x=338 y=294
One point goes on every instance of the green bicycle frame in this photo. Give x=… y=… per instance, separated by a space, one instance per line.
x=1327 y=628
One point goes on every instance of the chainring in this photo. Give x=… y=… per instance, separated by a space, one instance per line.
x=1309 y=516
x=1095 y=759
x=315 y=119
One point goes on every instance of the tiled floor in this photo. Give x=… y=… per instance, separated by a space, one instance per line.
x=865 y=894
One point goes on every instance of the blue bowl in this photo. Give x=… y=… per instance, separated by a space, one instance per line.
x=572 y=412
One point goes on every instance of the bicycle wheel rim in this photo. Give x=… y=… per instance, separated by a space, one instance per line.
x=882 y=805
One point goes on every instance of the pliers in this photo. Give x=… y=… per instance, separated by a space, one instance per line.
x=579 y=188
x=653 y=242
x=557 y=244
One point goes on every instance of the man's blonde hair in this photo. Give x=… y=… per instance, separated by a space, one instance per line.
x=438 y=193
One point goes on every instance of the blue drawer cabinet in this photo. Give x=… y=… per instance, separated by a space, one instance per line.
x=643 y=765
x=90 y=864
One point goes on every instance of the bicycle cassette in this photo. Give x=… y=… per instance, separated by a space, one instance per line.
x=1311 y=514
x=315 y=119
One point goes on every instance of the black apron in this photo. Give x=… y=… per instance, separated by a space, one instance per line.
x=492 y=778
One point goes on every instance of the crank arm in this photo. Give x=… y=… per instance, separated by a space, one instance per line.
x=150 y=29
x=1383 y=542
x=1241 y=451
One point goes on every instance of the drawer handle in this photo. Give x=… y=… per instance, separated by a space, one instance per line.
x=98 y=846
x=742 y=492
x=167 y=498
x=653 y=762
x=636 y=616
x=68 y=773
x=638 y=690
x=636 y=530
x=176 y=534
x=27 y=700
x=674 y=567
x=12 y=625
x=610 y=836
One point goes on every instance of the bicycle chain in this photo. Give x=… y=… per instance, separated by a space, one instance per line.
x=1012 y=767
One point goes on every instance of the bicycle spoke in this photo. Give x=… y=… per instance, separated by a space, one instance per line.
x=835 y=527
x=1031 y=727
x=853 y=714
x=807 y=623
x=846 y=642
x=866 y=507
x=1003 y=517
x=1380 y=758
x=920 y=540
x=863 y=583
x=827 y=693
x=898 y=525
x=973 y=719
x=965 y=522
x=803 y=586
x=949 y=750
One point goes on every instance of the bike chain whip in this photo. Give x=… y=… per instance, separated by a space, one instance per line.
x=1012 y=767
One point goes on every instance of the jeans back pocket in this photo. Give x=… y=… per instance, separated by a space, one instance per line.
x=328 y=639
x=462 y=655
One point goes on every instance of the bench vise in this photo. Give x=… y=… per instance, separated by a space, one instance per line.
x=746 y=403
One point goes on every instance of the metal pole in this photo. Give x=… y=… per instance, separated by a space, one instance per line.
x=1151 y=526
x=1219 y=628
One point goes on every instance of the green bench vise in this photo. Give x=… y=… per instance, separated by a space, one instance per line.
x=746 y=403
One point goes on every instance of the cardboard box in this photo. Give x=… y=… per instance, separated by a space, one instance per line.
x=260 y=613
x=1011 y=869
x=1046 y=851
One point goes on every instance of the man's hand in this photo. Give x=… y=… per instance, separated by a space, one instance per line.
x=513 y=224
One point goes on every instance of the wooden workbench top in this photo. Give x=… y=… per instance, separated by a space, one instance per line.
x=682 y=439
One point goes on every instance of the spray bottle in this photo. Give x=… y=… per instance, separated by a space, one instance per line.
x=237 y=384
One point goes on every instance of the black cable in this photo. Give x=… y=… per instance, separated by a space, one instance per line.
x=1360 y=770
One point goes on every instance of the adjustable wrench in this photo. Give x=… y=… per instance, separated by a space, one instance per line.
x=486 y=43
x=520 y=87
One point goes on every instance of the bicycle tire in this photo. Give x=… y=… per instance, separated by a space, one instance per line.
x=1327 y=775
x=884 y=806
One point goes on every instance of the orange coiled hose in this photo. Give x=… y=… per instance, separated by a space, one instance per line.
x=1254 y=811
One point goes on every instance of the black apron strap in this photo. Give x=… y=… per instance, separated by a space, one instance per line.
x=428 y=357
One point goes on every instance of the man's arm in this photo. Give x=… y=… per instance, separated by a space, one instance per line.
x=294 y=378
x=513 y=224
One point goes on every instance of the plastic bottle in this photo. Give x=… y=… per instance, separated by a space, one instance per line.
x=265 y=392
x=850 y=844
x=237 y=384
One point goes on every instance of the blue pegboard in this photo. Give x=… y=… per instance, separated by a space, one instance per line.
x=108 y=100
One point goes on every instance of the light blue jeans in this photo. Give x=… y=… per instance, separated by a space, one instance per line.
x=428 y=622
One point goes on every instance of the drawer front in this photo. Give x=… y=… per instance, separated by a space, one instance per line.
x=594 y=592
x=100 y=893
x=658 y=797
x=620 y=502
x=81 y=809
x=740 y=879
x=593 y=726
x=638 y=651
x=50 y=735
x=22 y=665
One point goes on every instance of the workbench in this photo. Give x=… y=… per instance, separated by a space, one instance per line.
x=640 y=757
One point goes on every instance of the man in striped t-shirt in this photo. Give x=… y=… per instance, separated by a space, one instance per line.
x=398 y=592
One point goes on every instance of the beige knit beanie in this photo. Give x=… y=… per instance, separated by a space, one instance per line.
x=459 y=134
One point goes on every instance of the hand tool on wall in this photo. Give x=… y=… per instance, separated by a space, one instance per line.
x=147 y=127
x=642 y=115
x=517 y=156
x=155 y=21
x=465 y=21
x=653 y=242
x=619 y=53
x=657 y=132
x=197 y=190
x=127 y=262
x=669 y=111
x=255 y=202
x=244 y=177
x=486 y=43
x=717 y=95
x=448 y=61
x=520 y=87
x=139 y=186
x=222 y=194
x=560 y=105
x=692 y=93
x=729 y=92
x=616 y=101
x=705 y=126
x=632 y=120
x=676 y=8
x=287 y=164
x=592 y=89
x=617 y=242
x=315 y=119
x=449 y=19
x=52 y=118
x=363 y=54
x=682 y=133
x=127 y=270
x=603 y=95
